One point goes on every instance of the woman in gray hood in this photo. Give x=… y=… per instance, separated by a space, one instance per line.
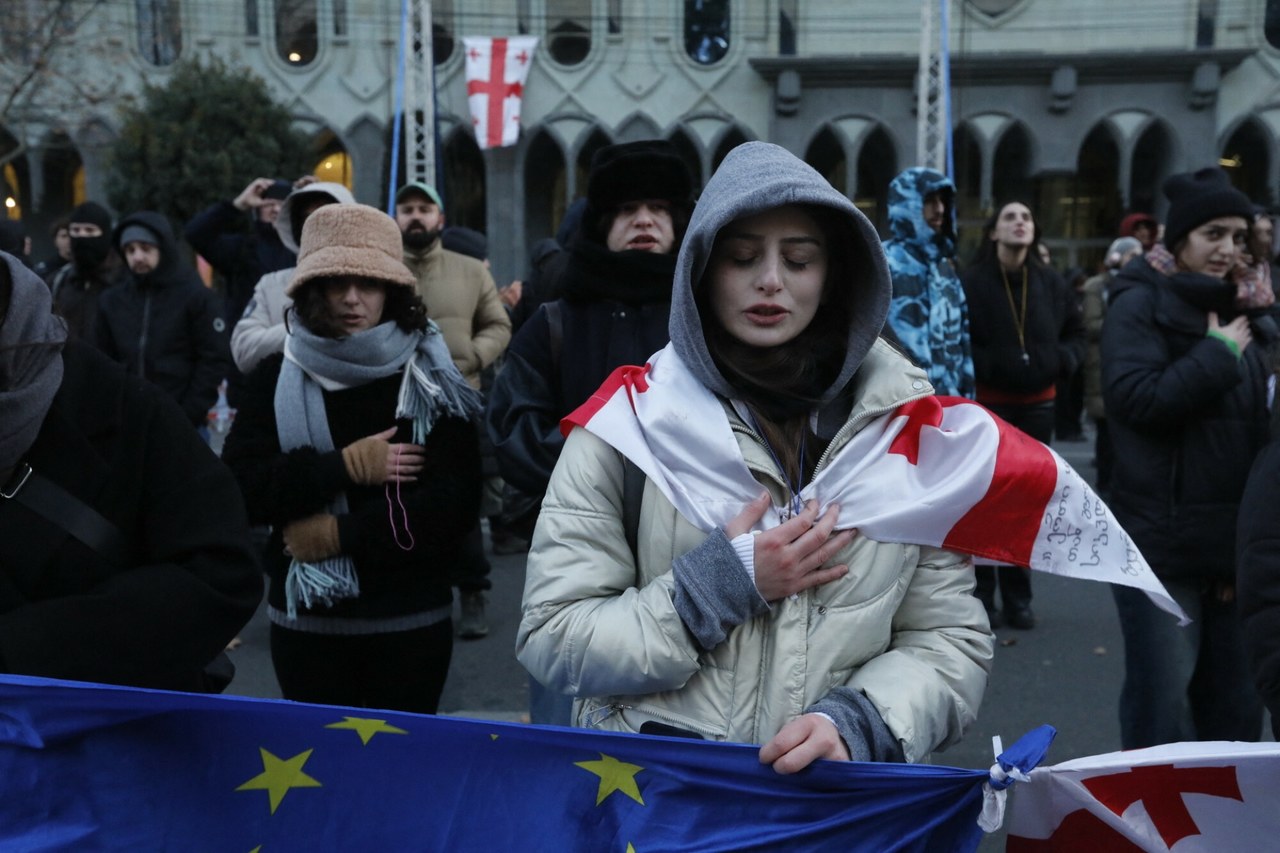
x=684 y=613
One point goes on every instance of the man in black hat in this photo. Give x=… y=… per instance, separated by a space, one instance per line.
x=93 y=269
x=616 y=282
x=162 y=323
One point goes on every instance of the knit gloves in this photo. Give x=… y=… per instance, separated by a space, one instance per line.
x=313 y=538
x=366 y=459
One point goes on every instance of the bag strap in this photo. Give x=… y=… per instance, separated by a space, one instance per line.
x=632 y=496
x=55 y=504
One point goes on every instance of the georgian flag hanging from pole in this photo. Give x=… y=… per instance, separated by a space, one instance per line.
x=940 y=471
x=496 y=71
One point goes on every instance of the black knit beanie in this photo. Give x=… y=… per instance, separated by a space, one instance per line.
x=651 y=168
x=1198 y=197
x=92 y=213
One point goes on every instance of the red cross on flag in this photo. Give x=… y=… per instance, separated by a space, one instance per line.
x=496 y=71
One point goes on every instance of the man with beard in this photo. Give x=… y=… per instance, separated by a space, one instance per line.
x=616 y=281
x=162 y=323
x=463 y=301
x=93 y=269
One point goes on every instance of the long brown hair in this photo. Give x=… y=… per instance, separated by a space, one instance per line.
x=780 y=385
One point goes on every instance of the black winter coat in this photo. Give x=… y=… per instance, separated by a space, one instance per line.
x=1258 y=575
x=166 y=326
x=442 y=506
x=535 y=389
x=1186 y=417
x=218 y=233
x=1053 y=334
x=125 y=449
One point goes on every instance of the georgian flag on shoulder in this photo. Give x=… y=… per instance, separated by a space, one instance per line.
x=496 y=71
x=939 y=471
x=1207 y=797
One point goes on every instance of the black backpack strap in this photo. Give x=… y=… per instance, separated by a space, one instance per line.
x=632 y=495
x=55 y=504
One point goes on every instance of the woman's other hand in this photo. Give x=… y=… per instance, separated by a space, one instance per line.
x=1237 y=330
x=801 y=742
x=373 y=460
x=789 y=557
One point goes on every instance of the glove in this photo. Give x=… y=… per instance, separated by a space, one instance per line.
x=366 y=459
x=313 y=538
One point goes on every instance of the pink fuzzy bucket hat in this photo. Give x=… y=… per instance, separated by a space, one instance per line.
x=350 y=239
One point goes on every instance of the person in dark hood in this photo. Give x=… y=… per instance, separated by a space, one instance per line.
x=1184 y=378
x=124 y=547
x=60 y=234
x=615 y=310
x=858 y=649
x=218 y=234
x=928 y=312
x=93 y=269
x=161 y=322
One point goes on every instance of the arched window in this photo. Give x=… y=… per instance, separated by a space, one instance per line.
x=13 y=177
x=297 y=31
x=689 y=154
x=159 y=31
x=62 y=168
x=594 y=143
x=615 y=17
x=706 y=30
x=1247 y=159
x=544 y=188
x=788 y=15
x=1011 y=166
x=569 y=30
x=442 y=40
x=334 y=163
x=968 y=175
x=826 y=155
x=339 y=17
x=877 y=166
x=251 y=26
x=1271 y=23
x=1152 y=157
x=464 y=183
x=733 y=137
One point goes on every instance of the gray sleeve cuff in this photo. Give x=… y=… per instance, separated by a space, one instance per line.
x=713 y=592
x=860 y=725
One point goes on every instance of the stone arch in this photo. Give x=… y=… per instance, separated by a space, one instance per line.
x=1155 y=151
x=730 y=138
x=464 y=179
x=545 y=191
x=1248 y=157
x=877 y=164
x=826 y=154
x=332 y=160
x=591 y=142
x=969 y=161
x=1012 y=157
x=689 y=152
x=636 y=127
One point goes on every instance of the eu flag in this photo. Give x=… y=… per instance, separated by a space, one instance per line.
x=94 y=767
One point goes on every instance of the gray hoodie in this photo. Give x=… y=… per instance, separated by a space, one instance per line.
x=754 y=177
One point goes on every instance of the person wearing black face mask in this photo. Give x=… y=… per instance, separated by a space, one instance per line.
x=162 y=323
x=93 y=269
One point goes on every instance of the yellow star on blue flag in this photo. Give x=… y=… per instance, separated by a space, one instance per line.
x=614 y=775
x=366 y=728
x=279 y=776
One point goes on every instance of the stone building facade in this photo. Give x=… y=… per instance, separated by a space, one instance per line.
x=1079 y=108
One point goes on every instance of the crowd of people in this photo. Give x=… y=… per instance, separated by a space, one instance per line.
x=388 y=395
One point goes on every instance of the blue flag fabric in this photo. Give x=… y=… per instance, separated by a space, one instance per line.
x=94 y=767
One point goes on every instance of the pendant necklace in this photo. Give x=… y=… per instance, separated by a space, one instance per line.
x=1019 y=322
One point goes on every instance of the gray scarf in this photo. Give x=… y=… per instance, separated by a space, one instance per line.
x=31 y=341
x=432 y=387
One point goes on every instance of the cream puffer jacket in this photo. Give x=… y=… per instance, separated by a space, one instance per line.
x=903 y=626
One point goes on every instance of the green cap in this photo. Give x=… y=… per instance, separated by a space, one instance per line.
x=419 y=187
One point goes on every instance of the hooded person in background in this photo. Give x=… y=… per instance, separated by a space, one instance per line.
x=928 y=312
x=161 y=322
x=615 y=311
x=124 y=549
x=260 y=331
x=94 y=267
x=1184 y=378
